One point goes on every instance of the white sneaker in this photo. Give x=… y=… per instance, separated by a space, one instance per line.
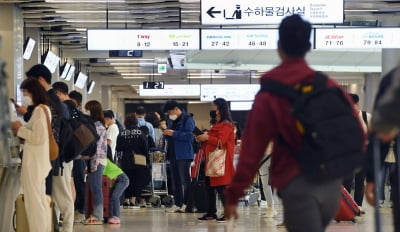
x=79 y=217
x=181 y=209
x=173 y=209
x=271 y=212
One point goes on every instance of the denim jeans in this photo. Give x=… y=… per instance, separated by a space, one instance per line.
x=95 y=180
x=78 y=173
x=121 y=183
x=180 y=180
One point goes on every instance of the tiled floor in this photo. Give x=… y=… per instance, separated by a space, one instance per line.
x=251 y=220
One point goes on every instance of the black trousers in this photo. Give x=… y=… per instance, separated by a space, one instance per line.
x=359 y=185
x=139 y=177
x=212 y=197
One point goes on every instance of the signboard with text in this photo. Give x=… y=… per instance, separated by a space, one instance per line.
x=125 y=39
x=270 y=12
x=214 y=39
x=230 y=92
x=357 y=38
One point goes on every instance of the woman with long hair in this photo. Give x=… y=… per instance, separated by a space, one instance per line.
x=221 y=132
x=97 y=163
x=134 y=141
x=36 y=162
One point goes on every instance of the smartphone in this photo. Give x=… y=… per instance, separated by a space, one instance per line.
x=14 y=102
x=197 y=131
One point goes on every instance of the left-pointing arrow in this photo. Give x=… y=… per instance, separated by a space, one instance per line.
x=211 y=13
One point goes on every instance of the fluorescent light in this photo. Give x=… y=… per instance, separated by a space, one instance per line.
x=133 y=77
x=361 y=10
x=140 y=74
x=81 y=29
x=84 y=1
x=91 y=12
x=99 y=21
x=125 y=64
x=128 y=59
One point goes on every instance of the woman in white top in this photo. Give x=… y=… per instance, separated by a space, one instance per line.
x=36 y=163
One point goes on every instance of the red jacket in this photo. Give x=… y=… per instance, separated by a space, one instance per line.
x=269 y=117
x=222 y=131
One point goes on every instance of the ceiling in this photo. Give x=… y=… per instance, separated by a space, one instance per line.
x=64 y=23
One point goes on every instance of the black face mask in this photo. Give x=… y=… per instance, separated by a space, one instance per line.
x=213 y=114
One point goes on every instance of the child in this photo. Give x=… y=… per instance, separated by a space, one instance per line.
x=120 y=182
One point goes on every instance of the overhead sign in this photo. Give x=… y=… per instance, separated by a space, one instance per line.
x=270 y=12
x=171 y=91
x=161 y=68
x=239 y=39
x=153 y=84
x=179 y=39
x=357 y=38
x=232 y=92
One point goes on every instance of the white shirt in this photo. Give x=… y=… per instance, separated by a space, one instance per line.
x=112 y=134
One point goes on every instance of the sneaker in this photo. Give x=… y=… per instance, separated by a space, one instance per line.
x=143 y=205
x=134 y=206
x=271 y=212
x=78 y=217
x=222 y=219
x=114 y=220
x=173 y=209
x=181 y=209
x=281 y=225
x=362 y=211
x=208 y=217
x=125 y=205
x=92 y=220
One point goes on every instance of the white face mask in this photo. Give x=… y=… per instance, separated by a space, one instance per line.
x=27 y=101
x=173 y=117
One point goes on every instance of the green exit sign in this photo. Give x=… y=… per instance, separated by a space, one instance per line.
x=162 y=68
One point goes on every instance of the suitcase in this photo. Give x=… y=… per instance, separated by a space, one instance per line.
x=21 y=219
x=348 y=208
x=105 y=186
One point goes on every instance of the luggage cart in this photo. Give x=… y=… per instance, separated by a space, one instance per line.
x=159 y=184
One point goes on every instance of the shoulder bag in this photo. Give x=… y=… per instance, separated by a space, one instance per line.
x=216 y=162
x=53 y=154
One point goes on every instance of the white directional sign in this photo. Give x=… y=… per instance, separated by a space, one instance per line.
x=269 y=12
x=220 y=39
x=178 y=39
x=232 y=92
x=357 y=38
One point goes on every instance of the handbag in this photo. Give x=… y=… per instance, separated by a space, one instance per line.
x=53 y=146
x=139 y=159
x=216 y=162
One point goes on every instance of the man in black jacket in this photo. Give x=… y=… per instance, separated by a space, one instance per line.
x=385 y=124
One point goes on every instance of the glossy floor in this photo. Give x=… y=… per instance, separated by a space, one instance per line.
x=251 y=220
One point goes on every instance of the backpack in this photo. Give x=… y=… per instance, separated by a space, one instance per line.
x=85 y=137
x=333 y=141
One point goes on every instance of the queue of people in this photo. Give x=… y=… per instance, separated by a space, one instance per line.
x=308 y=205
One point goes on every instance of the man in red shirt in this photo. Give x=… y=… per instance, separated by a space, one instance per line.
x=308 y=206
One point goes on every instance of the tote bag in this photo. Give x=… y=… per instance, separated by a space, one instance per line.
x=216 y=162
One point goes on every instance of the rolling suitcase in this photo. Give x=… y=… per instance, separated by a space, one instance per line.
x=348 y=208
x=105 y=186
x=21 y=219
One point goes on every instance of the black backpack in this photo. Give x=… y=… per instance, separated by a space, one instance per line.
x=82 y=126
x=333 y=140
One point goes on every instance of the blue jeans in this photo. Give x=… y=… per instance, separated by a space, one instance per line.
x=121 y=183
x=95 y=180
x=180 y=180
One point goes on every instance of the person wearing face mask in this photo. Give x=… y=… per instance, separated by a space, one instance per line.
x=36 y=164
x=222 y=131
x=179 y=152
